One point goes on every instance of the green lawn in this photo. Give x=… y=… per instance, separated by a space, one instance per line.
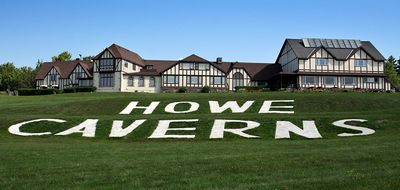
x=136 y=162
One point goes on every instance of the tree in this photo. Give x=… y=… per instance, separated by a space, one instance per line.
x=87 y=58
x=64 y=56
x=390 y=71
x=26 y=77
x=8 y=76
x=398 y=66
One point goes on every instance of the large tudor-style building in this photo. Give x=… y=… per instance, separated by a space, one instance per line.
x=301 y=63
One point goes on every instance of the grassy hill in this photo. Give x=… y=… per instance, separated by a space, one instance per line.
x=136 y=162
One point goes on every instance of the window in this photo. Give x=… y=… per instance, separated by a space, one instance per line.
x=217 y=80
x=130 y=81
x=133 y=67
x=106 y=80
x=53 y=77
x=152 y=82
x=106 y=64
x=330 y=80
x=350 y=81
x=322 y=62
x=370 y=80
x=126 y=64
x=187 y=66
x=196 y=80
x=141 y=81
x=360 y=63
x=172 y=79
x=149 y=66
x=310 y=80
x=238 y=79
x=203 y=66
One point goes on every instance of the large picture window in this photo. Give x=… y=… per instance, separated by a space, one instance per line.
x=330 y=80
x=106 y=80
x=310 y=80
x=194 y=80
x=238 y=79
x=350 y=81
x=106 y=64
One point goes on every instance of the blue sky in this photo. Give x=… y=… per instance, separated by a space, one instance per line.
x=236 y=30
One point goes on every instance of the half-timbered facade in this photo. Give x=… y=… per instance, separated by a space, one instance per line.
x=332 y=63
x=301 y=63
x=65 y=74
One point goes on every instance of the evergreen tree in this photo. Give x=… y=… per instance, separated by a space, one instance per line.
x=391 y=72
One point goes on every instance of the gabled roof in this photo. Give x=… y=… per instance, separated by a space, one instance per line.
x=122 y=53
x=303 y=52
x=194 y=58
x=64 y=68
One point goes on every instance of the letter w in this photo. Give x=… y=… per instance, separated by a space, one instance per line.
x=232 y=105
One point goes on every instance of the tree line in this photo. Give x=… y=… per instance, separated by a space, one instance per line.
x=12 y=78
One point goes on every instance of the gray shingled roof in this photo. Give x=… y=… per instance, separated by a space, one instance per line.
x=303 y=52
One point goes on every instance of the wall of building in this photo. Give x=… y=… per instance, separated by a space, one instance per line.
x=145 y=88
x=340 y=66
x=288 y=59
x=231 y=80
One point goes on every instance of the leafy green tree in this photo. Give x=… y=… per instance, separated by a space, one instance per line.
x=64 y=56
x=390 y=71
x=8 y=77
x=26 y=77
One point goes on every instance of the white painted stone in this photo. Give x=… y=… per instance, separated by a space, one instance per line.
x=15 y=129
x=218 y=129
x=163 y=127
x=267 y=105
x=363 y=130
x=134 y=105
x=232 y=105
x=118 y=131
x=87 y=128
x=284 y=127
x=170 y=108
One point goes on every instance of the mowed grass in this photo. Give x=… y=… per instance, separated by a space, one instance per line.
x=136 y=162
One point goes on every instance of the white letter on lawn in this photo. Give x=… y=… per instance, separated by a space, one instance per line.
x=284 y=127
x=232 y=105
x=134 y=105
x=170 y=108
x=163 y=127
x=87 y=128
x=118 y=131
x=15 y=129
x=217 y=132
x=267 y=105
x=364 y=130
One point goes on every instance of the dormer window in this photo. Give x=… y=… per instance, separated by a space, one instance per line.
x=322 y=62
x=149 y=66
x=360 y=63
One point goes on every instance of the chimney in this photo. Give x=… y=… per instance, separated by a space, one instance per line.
x=219 y=59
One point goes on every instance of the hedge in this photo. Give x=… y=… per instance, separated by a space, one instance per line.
x=80 y=89
x=249 y=88
x=37 y=92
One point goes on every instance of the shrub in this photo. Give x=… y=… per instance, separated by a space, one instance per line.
x=80 y=89
x=205 y=89
x=182 y=90
x=248 y=88
x=37 y=92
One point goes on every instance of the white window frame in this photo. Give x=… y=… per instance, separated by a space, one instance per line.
x=360 y=63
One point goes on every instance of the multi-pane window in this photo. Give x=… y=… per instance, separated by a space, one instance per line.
x=133 y=67
x=149 y=66
x=53 y=77
x=360 y=63
x=171 y=79
x=126 y=64
x=130 y=81
x=106 y=80
x=350 y=81
x=141 y=81
x=194 y=80
x=217 y=80
x=310 y=80
x=152 y=82
x=187 y=66
x=322 y=62
x=370 y=80
x=106 y=64
x=203 y=66
x=238 y=79
x=330 y=80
